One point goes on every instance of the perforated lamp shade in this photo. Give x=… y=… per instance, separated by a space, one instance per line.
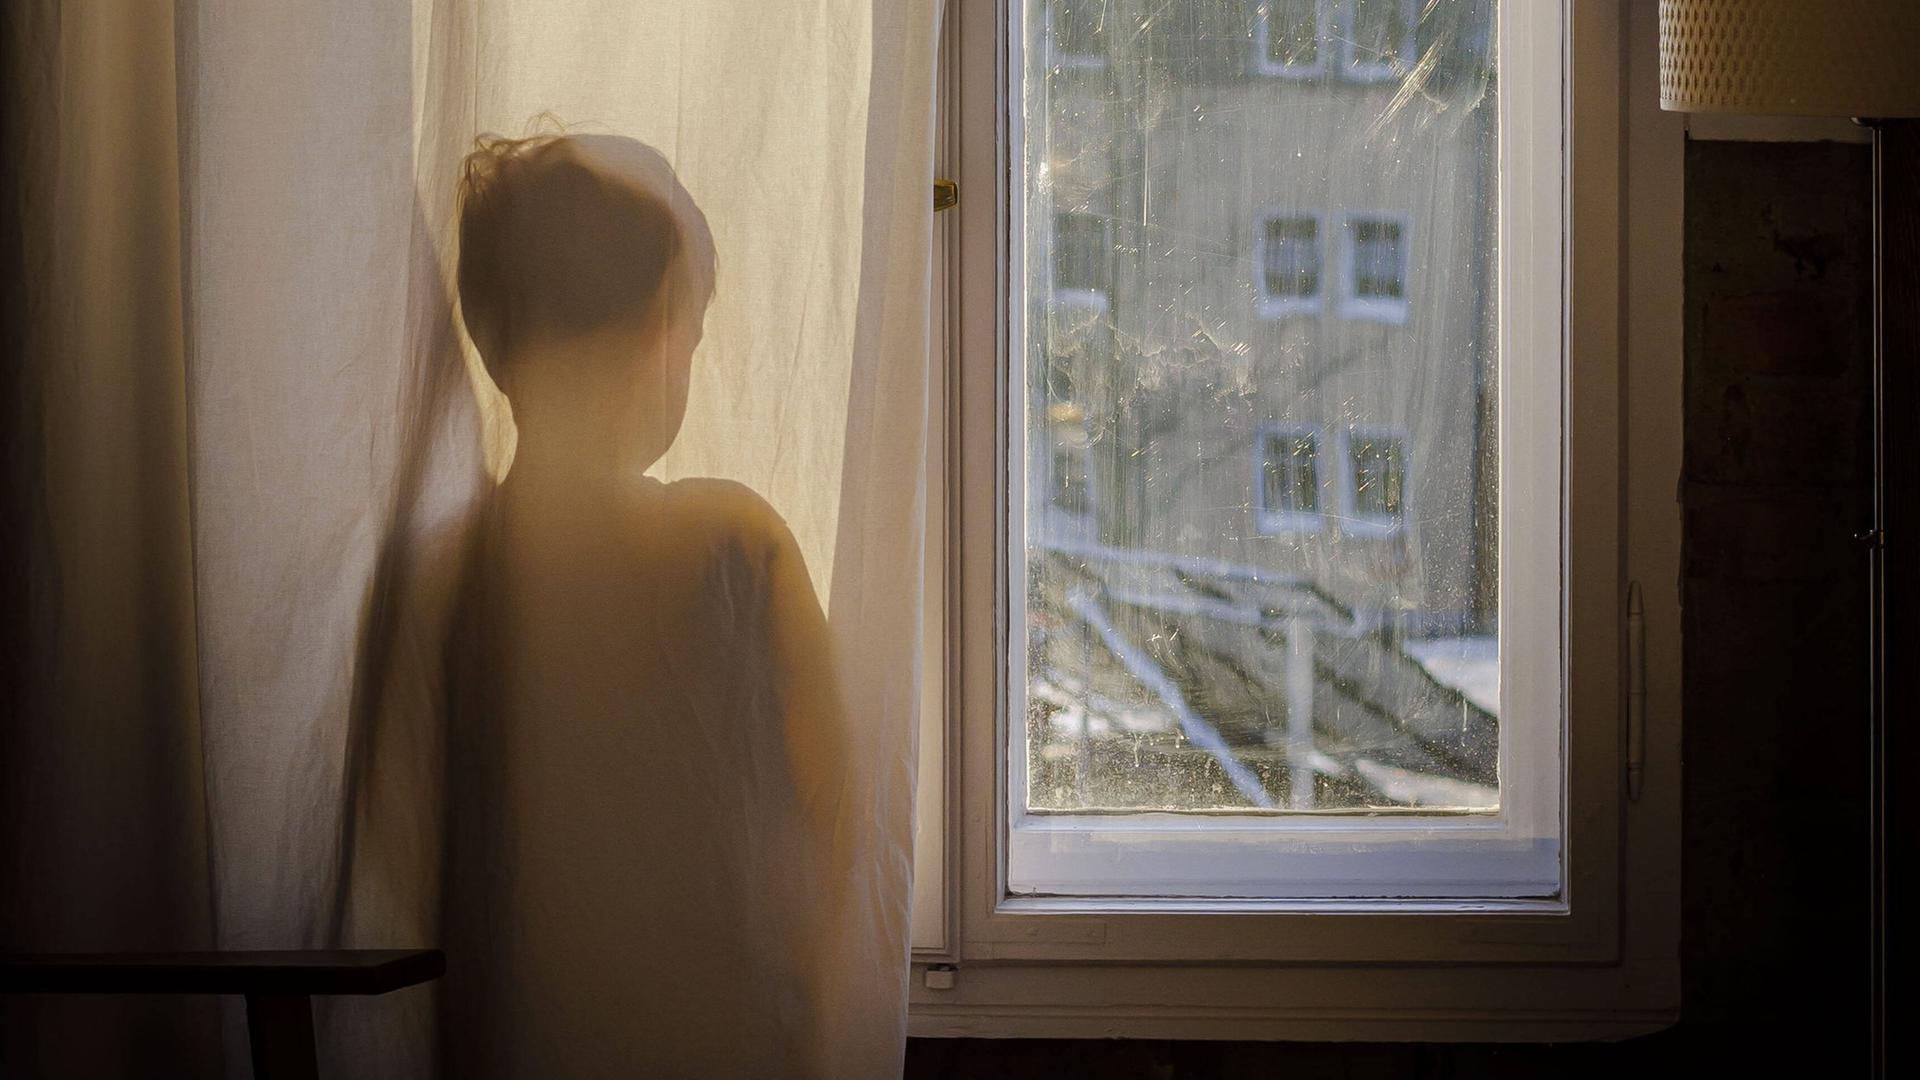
x=1791 y=57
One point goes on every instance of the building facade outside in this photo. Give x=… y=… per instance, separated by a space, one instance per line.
x=1260 y=315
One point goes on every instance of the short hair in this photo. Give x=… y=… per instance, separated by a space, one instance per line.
x=561 y=235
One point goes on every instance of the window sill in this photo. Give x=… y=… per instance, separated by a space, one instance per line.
x=1291 y=71
x=1342 y=1003
x=1289 y=523
x=1274 y=308
x=1380 y=311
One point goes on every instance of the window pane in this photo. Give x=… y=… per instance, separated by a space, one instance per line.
x=1292 y=256
x=1378 y=475
x=1070 y=479
x=1377 y=260
x=1292 y=29
x=1079 y=28
x=1258 y=554
x=1378 y=32
x=1290 y=473
x=1082 y=256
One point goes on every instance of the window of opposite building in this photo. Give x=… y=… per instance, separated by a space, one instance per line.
x=1082 y=258
x=1077 y=31
x=1072 y=461
x=1287 y=256
x=1377 y=39
x=1287 y=37
x=1376 y=267
x=1375 y=482
x=1287 y=478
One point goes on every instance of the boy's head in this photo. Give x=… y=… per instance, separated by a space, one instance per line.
x=570 y=238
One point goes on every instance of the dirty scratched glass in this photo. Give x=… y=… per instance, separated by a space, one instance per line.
x=1257 y=288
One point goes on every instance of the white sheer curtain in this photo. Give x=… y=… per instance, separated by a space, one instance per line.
x=246 y=412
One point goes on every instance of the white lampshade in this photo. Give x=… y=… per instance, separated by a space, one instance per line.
x=1791 y=57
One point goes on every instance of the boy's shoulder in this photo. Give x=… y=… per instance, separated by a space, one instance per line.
x=726 y=510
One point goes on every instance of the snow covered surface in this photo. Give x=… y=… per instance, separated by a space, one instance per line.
x=1470 y=665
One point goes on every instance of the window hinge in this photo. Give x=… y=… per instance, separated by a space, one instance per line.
x=946 y=195
x=1636 y=690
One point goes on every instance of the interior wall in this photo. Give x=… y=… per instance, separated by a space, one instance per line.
x=1778 y=473
x=1775 y=484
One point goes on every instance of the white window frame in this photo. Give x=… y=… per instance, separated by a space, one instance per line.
x=1374 y=308
x=1270 y=521
x=1267 y=305
x=1605 y=968
x=1352 y=67
x=1352 y=521
x=1263 y=58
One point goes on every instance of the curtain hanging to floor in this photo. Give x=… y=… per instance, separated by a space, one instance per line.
x=300 y=662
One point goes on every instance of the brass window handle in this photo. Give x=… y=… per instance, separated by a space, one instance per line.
x=946 y=194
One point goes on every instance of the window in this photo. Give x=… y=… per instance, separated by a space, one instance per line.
x=1376 y=482
x=1454 y=40
x=1377 y=39
x=1077 y=33
x=1287 y=480
x=1193 y=714
x=1287 y=253
x=1378 y=261
x=1287 y=38
x=1069 y=488
x=1377 y=253
x=1209 y=771
x=1082 y=267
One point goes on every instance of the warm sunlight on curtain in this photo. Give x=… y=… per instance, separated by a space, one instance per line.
x=252 y=447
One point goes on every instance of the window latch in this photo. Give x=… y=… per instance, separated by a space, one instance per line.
x=946 y=195
x=941 y=977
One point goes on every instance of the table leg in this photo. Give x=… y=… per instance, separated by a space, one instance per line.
x=280 y=1027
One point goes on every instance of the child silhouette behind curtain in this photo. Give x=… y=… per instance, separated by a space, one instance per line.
x=648 y=850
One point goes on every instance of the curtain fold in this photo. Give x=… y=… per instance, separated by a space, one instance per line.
x=102 y=823
x=254 y=457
